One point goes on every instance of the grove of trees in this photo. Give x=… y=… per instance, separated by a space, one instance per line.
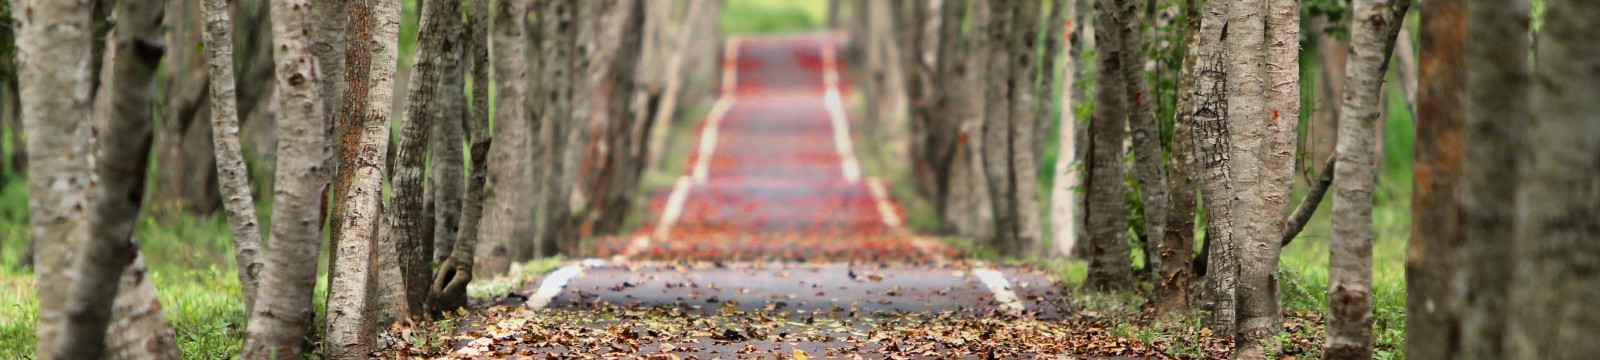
x=1171 y=134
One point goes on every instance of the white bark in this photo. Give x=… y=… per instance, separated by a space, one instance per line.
x=282 y=311
x=53 y=61
x=234 y=178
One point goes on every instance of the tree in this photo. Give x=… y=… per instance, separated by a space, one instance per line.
x=234 y=178
x=438 y=47
x=508 y=161
x=364 y=140
x=1350 y=247
x=282 y=311
x=1068 y=173
x=1431 y=309
x=449 y=290
x=1149 y=163
x=1210 y=132
x=1176 y=249
x=1024 y=167
x=53 y=57
x=1557 y=243
x=124 y=155
x=1109 y=264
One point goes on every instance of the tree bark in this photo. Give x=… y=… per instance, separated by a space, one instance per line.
x=1149 y=163
x=439 y=41
x=969 y=204
x=371 y=59
x=1350 y=247
x=1109 y=263
x=282 y=312
x=123 y=155
x=1068 y=173
x=450 y=285
x=1211 y=133
x=1436 y=215
x=1558 y=240
x=1496 y=59
x=329 y=47
x=1024 y=167
x=619 y=177
x=506 y=214
x=997 y=125
x=1176 y=249
x=447 y=177
x=234 y=177
x=138 y=329
x=53 y=57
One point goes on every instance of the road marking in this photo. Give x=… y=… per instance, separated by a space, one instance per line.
x=557 y=281
x=1000 y=287
x=708 y=133
x=836 y=114
x=669 y=216
x=885 y=208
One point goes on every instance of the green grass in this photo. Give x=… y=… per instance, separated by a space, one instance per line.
x=768 y=16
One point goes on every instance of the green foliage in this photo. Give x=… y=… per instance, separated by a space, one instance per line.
x=758 y=16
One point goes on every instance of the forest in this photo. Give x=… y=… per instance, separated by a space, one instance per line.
x=678 y=179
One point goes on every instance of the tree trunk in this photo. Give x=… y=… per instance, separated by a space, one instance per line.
x=1149 y=165
x=234 y=177
x=53 y=57
x=450 y=285
x=329 y=48
x=1431 y=309
x=1496 y=58
x=1024 y=167
x=1350 y=247
x=1558 y=240
x=1068 y=173
x=618 y=178
x=1109 y=263
x=1270 y=154
x=1176 y=249
x=438 y=47
x=447 y=176
x=371 y=59
x=1210 y=131
x=282 y=312
x=997 y=125
x=124 y=155
x=138 y=329
x=507 y=214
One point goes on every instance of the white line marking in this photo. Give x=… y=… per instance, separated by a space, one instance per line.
x=1000 y=287
x=557 y=281
x=730 y=65
x=669 y=217
x=836 y=114
x=885 y=208
x=708 y=137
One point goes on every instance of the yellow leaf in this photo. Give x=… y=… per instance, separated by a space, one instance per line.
x=801 y=355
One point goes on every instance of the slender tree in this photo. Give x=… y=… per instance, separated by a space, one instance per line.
x=1064 y=205
x=1350 y=248
x=1173 y=291
x=53 y=57
x=124 y=155
x=1557 y=236
x=1431 y=308
x=508 y=161
x=1210 y=132
x=282 y=311
x=1148 y=164
x=450 y=285
x=1109 y=265
x=238 y=200
x=1024 y=167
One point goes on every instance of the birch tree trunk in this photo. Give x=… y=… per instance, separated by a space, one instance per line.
x=1173 y=292
x=1558 y=239
x=1109 y=264
x=506 y=214
x=125 y=152
x=53 y=57
x=282 y=311
x=1210 y=132
x=438 y=46
x=1068 y=175
x=238 y=199
x=1436 y=215
x=1146 y=133
x=450 y=285
x=329 y=47
x=1497 y=62
x=1350 y=247
x=1024 y=167
x=371 y=58
x=447 y=176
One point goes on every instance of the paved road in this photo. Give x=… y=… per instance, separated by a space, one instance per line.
x=774 y=216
